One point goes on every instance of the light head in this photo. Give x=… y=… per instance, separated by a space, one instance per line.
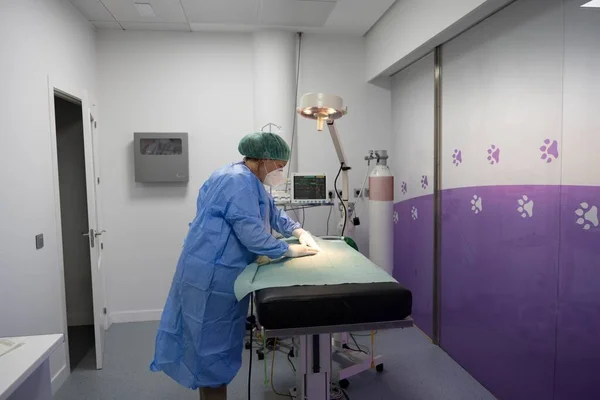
x=322 y=107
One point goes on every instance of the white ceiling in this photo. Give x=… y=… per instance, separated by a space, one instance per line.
x=351 y=17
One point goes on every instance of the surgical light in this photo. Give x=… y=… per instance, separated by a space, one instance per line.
x=322 y=107
x=326 y=107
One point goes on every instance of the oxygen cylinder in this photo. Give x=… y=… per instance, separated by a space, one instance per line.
x=381 y=209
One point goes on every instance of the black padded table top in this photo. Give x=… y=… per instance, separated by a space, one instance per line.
x=326 y=305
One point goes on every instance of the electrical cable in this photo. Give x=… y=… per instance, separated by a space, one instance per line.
x=294 y=127
x=251 y=340
x=337 y=393
x=357 y=345
x=302 y=207
x=359 y=350
x=340 y=197
x=291 y=363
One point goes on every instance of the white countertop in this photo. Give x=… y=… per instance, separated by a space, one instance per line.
x=18 y=364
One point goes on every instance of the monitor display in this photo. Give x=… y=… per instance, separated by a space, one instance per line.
x=307 y=188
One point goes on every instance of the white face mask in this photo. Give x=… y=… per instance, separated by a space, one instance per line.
x=274 y=178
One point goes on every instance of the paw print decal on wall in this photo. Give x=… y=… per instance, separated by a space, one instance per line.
x=457 y=157
x=587 y=216
x=414 y=213
x=525 y=207
x=493 y=154
x=549 y=150
x=476 y=204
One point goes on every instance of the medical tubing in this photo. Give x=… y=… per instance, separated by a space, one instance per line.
x=265 y=364
x=362 y=189
x=362 y=335
x=340 y=197
x=329 y=218
x=272 y=369
x=372 y=349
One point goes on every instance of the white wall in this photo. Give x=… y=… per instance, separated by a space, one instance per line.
x=502 y=86
x=412 y=28
x=160 y=82
x=37 y=39
x=74 y=213
x=274 y=70
x=581 y=120
x=413 y=127
x=337 y=65
x=203 y=84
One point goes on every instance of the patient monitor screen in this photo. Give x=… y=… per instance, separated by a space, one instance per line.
x=310 y=187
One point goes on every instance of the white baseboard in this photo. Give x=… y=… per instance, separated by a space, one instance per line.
x=59 y=378
x=134 y=316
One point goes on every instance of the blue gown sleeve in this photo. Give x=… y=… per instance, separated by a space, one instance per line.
x=280 y=221
x=248 y=225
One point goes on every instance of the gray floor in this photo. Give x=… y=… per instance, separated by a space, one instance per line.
x=414 y=370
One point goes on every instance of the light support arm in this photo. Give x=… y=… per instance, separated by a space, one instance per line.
x=337 y=143
x=335 y=138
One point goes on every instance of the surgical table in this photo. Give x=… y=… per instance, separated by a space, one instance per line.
x=314 y=313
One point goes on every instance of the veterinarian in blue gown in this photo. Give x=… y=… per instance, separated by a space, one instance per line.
x=200 y=339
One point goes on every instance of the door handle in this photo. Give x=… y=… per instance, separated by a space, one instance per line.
x=91 y=236
x=100 y=233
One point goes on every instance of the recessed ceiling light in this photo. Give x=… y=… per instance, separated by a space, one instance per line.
x=592 y=4
x=145 y=10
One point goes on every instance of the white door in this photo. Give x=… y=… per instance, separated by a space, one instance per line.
x=92 y=167
x=95 y=234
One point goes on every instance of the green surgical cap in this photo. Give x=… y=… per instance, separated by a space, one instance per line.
x=264 y=145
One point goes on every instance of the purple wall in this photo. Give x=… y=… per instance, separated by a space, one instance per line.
x=413 y=256
x=578 y=344
x=499 y=274
x=523 y=324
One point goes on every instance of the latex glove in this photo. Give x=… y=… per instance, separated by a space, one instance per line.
x=263 y=260
x=298 y=250
x=306 y=239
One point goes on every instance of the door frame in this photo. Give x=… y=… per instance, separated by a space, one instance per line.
x=78 y=95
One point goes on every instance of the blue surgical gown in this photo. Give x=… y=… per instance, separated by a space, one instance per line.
x=201 y=334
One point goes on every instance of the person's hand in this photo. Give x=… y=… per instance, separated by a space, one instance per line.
x=298 y=250
x=263 y=260
x=306 y=239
